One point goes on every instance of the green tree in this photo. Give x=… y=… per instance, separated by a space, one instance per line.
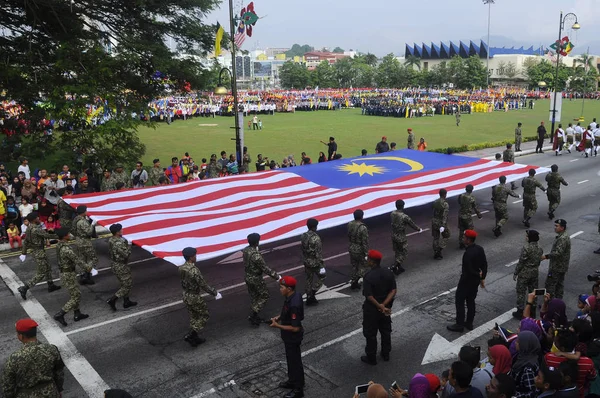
x=456 y=71
x=364 y=73
x=439 y=74
x=511 y=71
x=475 y=73
x=293 y=75
x=338 y=50
x=388 y=72
x=413 y=61
x=545 y=71
x=324 y=76
x=59 y=57
x=371 y=59
x=345 y=72
x=297 y=50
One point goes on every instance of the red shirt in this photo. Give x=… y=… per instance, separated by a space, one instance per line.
x=587 y=371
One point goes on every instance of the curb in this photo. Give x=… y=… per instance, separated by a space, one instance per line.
x=522 y=153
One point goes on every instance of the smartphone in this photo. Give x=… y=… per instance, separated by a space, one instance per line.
x=361 y=389
x=478 y=348
x=540 y=292
x=395 y=385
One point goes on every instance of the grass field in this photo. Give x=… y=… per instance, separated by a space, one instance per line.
x=284 y=134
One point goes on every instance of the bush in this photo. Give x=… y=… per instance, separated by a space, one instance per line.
x=482 y=145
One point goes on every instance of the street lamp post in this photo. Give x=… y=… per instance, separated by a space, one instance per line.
x=489 y=4
x=561 y=26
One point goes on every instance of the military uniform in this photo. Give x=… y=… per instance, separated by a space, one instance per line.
x=359 y=247
x=193 y=284
x=468 y=205
x=108 y=184
x=530 y=184
x=212 y=170
x=35 y=239
x=119 y=251
x=518 y=138
x=527 y=272
x=399 y=241
x=155 y=174
x=440 y=219
x=411 y=141
x=255 y=267
x=65 y=214
x=500 y=194
x=82 y=231
x=35 y=370
x=121 y=177
x=246 y=162
x=312 y=258
x=559 y=265
x=508 y=156
x=67 y=262
x=554 y=180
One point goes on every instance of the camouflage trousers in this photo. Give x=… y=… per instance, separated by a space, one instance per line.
x=526 y=283
x=440 y=239
x=197 y=309
x=86 y=250
x=553 y=199
x=529 y=206
x=42 y=268
x=518 y=140
x=501 y=213
x=464 y=223
x=359 y=266
x=123 y=274
x=259 y=293
x=400 y=250
x=66 y=223
x=69 y=281
x=313 y=280
x=555 y=284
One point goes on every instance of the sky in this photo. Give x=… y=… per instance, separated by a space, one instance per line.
x=384 y=26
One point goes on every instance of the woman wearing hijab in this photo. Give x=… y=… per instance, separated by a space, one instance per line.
x=322 y=157
x=526 y=364
x=500 y=359
x=527 y=324
x=418 y=387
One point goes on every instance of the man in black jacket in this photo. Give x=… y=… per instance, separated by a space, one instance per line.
x=474 y=270
x=541 y=132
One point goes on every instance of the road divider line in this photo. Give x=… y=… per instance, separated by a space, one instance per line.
x=582 y=182
x=517 y=201
x=576 y=234
x=512 y=263
x=573 y=160
x=80 y=368
x=482 y=212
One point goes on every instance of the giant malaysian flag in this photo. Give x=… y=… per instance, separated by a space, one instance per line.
x=216 y=215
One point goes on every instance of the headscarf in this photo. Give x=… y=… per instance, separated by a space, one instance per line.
x=529 y=350
x=557 y=312
x=418 y=387
x=591 y=302
x=527 y=324
x=503 y=359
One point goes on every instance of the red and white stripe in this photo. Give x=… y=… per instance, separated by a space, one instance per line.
x=239 y=39
x=215 y=216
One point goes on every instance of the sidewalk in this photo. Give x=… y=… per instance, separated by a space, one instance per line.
x=490 y=153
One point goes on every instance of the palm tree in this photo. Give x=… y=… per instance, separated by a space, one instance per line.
x=585 y=60
x=413 y=61
x=371 y=59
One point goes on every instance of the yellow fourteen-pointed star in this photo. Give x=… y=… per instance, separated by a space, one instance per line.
x=361 y=169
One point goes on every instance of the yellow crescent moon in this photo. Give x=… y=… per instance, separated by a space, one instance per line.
x=414 y=166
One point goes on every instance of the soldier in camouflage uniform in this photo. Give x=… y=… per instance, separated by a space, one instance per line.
x=526 y=273
x=108 y=183
x=554 y=180
x=500 y=194
x=530 y=184
x=246 y=160
x=155 y=173
x=35 y=239
x=83 y=231
x=358 y=235
x=65 y=211
x=518 y=137
x=439 y=225
x=193 y=284
x=509 y=156
x=559 y=258
x=468 y=205
x=255 y=267
x=119 y=251
x=68 y=262
x=120 y=175
x=312 y=258
x=212 y=169
x=400 y=221
x=411 y=139
x=36 y=369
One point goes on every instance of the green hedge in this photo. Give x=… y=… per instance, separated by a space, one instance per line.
x=482 y=145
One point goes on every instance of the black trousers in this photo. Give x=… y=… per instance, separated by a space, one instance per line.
x=540 y=144
x=466 y=292
x=373 y=322
x=293 y=356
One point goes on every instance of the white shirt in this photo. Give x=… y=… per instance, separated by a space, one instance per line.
x=578 y=129
x=25 y=169
x=570 y=131
x=25 y=210
x=597 y=133
x=561 y=134
x=23 y=229
x=593 y=125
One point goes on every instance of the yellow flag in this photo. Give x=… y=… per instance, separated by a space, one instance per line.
x=218 y=39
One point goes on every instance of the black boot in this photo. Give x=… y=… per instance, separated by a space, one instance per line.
x=518 y=314
x=355 y=285
x=199 y=340
x=551 y=215
x=79 y=316
x=60 y=317
x=52 y=287
x=254 y=319
x=112 y=302
x=86 y=279
x=311 y=300
x=23 y=291
x=128 y=303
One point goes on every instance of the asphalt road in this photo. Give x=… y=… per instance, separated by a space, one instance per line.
x=142 y=349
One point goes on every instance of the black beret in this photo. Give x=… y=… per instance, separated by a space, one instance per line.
x=312 y=223
x=81 y=209
x=533 y=235
x=115 y=228
x=32 y=216
x=253 y=239
x=561 y=222
x=62 y=232
x=189 y=252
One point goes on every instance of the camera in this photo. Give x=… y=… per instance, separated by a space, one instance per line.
x=595 y=277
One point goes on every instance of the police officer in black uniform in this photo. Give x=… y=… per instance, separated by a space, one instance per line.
x=290 y=324
x=379 y=289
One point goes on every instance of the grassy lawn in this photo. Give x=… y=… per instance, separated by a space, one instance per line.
x=284 y=134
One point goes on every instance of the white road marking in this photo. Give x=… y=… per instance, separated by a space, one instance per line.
x=512 y=263
x=573 y=160
x=214 y=390
x=517 y=201
x=584 y=181
x=576 y=234
x=482 y=212
x=84 y=373
x=358 y=331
